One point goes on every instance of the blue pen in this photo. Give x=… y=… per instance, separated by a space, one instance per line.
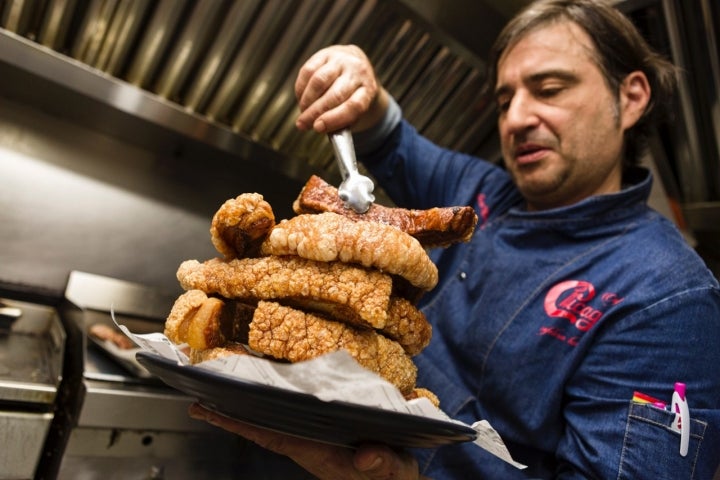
x=682 y=416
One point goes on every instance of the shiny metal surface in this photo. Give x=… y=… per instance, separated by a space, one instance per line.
x=711 y=11
x=356 y=189
x=114 y=395
x=301 y=25
x=100 y=293
x=198 y=32
x=124 y=425
x=106 y=96
x=31 y=355
x=9 y=313
x=155 y=40
x=22 y=436
x=223 y=71
x=56 y=23
x=125 y=26
x=31 y=362
x=115 y=405
x=693 y=31
x=250 y=58
x=112 y=454
x=235 y=26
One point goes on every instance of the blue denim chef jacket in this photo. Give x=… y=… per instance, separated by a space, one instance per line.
x=546 y=323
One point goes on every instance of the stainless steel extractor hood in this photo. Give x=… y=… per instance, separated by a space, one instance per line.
x=223 y=71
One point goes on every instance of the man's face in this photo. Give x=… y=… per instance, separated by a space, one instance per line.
x=559 y=122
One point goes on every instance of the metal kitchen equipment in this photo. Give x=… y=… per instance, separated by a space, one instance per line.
x=32 y=344
x=125 y=424
x=355 y=189
x=69 y=410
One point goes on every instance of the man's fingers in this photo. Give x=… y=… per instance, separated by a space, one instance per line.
x=335 y=89
x=333 y=98
x=307 y=71
x=276 y=442
x=325 y=461
x=325 y=91
x=372 y=462
x=323 y=79
x=199 y=412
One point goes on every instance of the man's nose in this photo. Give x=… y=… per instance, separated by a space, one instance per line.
x=520 y=114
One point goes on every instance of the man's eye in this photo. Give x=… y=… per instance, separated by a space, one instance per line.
x=549 y=92
x=503 y=105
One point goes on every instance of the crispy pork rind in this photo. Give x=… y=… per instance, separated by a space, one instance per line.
x=434 y=227
x=355 y=294
x=203 y=322
x=241 y=224
x=230 y=348
x=191 y=315
x=289 y=334
x=419 y=392
x=408 y=326
x=329 y=237
x=316 y=283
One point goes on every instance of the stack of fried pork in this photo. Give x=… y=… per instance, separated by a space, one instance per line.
x=324 y=280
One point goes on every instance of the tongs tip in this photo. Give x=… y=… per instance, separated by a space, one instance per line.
x=355 y=190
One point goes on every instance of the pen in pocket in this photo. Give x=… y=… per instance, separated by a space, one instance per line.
x=678 y=406
x=682 y=416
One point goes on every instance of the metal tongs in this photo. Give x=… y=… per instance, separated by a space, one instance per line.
x=356 y=189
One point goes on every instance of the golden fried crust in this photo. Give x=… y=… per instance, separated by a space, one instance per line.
x=435 y=227
x=329 y=237
x=207 y=322
x=183 y=310
x=405 y=323
x=230 y=348
x=355 y=294
x=408 y=326
x=288 y=334
x=241 y=224
x=423 y=393
x=195 y=320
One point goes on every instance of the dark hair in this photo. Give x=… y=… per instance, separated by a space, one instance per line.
x=620 y=50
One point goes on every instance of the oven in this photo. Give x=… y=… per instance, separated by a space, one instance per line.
x=72 y=408
x=32 y=345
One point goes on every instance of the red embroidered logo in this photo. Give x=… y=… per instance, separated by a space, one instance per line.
x=571 y=300
x=484 y=210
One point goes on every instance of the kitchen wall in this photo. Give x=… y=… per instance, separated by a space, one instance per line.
x=75 y=199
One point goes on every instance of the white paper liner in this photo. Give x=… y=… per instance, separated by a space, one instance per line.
x=334 y=376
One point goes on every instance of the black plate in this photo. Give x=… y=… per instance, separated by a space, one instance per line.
x=304 y=415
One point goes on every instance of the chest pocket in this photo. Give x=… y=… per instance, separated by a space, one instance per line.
x=648 y=425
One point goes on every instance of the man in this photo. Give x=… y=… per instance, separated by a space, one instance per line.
x=574 y=302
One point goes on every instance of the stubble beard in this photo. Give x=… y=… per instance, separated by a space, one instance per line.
x=541 y=187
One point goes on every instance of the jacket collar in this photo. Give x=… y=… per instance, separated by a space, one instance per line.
x=637 y=183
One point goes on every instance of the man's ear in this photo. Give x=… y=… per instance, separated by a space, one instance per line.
x=634 y=98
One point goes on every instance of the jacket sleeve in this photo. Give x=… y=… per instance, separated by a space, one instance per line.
x=417 y=173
